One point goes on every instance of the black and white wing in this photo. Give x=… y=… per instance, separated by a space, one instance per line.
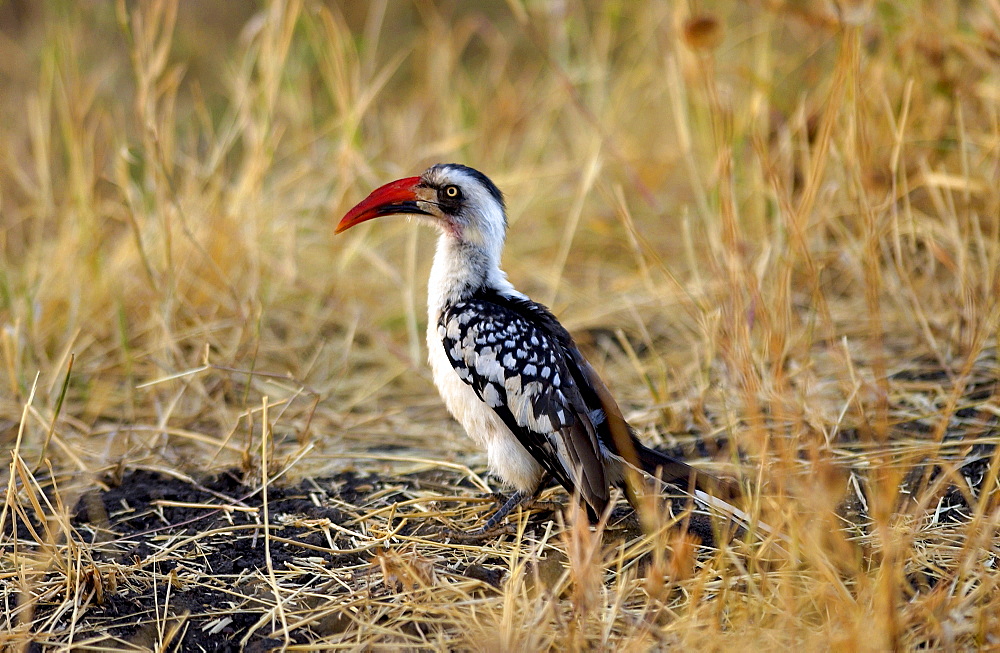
x=524 y=365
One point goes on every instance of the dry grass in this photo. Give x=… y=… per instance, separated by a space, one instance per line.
x=774 y=228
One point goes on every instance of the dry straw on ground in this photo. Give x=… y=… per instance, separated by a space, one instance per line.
x=774 y=228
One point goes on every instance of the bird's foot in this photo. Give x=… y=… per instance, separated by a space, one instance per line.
x=478 y=535
x=493 y=527
x=543 y=506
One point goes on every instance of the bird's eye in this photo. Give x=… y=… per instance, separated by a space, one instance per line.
x=452 y=192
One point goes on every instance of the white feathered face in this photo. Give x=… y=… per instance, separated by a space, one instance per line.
x=460 y=200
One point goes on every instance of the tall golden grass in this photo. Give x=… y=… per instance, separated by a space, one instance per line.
x=774 y=223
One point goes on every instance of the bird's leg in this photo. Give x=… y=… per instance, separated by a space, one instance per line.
x=492 y=525
x=512 y=502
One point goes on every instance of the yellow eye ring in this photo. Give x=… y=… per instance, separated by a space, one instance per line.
x=451 y=191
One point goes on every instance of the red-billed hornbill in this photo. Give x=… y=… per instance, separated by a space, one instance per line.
x=505 y=367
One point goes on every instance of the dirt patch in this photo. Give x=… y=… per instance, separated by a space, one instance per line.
x=186 y=562
x=182 y=564
x=208 y=540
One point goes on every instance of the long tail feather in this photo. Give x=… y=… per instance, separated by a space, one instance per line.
x=719 y=494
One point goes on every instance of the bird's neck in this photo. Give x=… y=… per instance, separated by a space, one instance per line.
x=461 y=269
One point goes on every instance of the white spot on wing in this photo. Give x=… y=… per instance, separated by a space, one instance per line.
x=489 y=367
x=491 y=396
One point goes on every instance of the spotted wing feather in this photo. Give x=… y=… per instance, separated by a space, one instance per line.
x=524 y=367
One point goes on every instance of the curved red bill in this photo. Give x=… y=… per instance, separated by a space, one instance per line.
x=394 y=198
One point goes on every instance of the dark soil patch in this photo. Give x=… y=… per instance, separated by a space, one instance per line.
x=184 y=561
x=169 y=550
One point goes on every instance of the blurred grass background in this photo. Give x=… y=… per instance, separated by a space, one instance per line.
x=751 y=215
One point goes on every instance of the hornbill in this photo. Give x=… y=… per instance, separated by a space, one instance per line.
x=505 y=367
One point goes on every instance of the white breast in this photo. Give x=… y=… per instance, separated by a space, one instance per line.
x=507 y=458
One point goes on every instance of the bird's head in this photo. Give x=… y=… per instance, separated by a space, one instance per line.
x=459 y=200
